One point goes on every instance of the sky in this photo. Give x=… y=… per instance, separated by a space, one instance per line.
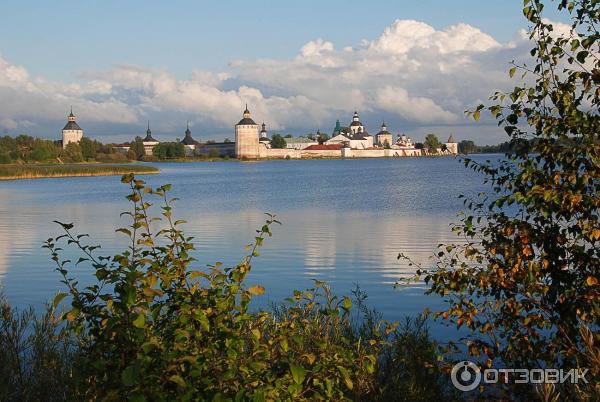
x=298 y=65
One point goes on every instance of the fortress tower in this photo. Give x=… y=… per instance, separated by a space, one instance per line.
x=246 y=137
x=452 y=145
x=72 y=132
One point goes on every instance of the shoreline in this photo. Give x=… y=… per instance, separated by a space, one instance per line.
x=24 y=172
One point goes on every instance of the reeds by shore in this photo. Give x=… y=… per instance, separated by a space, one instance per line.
x=15 y=172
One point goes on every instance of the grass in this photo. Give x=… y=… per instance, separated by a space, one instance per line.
x=14 y=172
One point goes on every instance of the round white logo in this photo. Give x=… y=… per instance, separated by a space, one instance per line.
x=465 y=376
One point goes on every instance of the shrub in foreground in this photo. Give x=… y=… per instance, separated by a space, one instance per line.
x=154 y=328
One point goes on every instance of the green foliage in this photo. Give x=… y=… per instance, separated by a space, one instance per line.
x=323 y=138
x=432 y=143
x=152 y=327
x=89 y=148
x=72 y=153
x=44 y=150
x=386 y=144
x=137 y=148
x=526 y=280
x=277 y=141
x=25 y=148
x=36 y=356
x=169 y=150
x=466 y=147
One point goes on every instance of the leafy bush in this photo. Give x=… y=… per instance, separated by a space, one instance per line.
x=166 y=331
x=154 y=328
x=36 y=356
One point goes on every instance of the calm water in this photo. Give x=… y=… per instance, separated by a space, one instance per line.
x=344 y=221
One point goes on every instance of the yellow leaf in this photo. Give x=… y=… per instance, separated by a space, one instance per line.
x=257 y=290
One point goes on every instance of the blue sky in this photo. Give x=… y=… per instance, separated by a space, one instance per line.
x=58 y=39
x=81 y=42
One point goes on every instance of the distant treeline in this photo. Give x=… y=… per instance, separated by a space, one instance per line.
x=469 y=147
x=27 y=149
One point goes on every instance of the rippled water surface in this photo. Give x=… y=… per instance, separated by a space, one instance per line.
x=344 y=221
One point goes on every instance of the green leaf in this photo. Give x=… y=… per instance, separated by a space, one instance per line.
x=512 y=71
x=140 y=321
x=259 y=396
x=347 y=303
x=298 y=373
x=476 y=115
x=58 y=298
x=346 y=376
x=581 y=56
x=128 y=376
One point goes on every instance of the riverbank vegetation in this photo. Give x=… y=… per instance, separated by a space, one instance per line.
x=35 y=171
x=24 y=149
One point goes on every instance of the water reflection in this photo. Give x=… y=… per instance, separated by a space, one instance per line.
x=343 y=222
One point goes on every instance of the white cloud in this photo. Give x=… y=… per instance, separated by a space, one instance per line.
x=419 y=109
x=412 y=74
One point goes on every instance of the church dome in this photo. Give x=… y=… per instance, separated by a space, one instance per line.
x=384 y=129
x=188 y=140
x=149 y=135
x=246 y=119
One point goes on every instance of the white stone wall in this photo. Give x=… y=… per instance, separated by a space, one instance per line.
x=382 y=138
x=452 y=147
x=149 y=147
x=362 y=144
x=277 y=153
x=379 y=153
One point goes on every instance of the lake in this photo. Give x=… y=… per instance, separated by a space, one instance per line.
x=343 y=221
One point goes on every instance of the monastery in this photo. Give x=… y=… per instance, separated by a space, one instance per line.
x=353 y=141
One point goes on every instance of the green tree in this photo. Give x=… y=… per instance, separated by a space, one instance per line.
x=466 y=147
x=277 y=141
x=24 y=146
x=138 y=148
x=386 y=144
x=160 y=150
x=176 y=150
x=43 y=150
x=89 y=148
x=8 y=149
x=72 y=152
x=432 y=143
x=526 y=279
x=323 y=138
